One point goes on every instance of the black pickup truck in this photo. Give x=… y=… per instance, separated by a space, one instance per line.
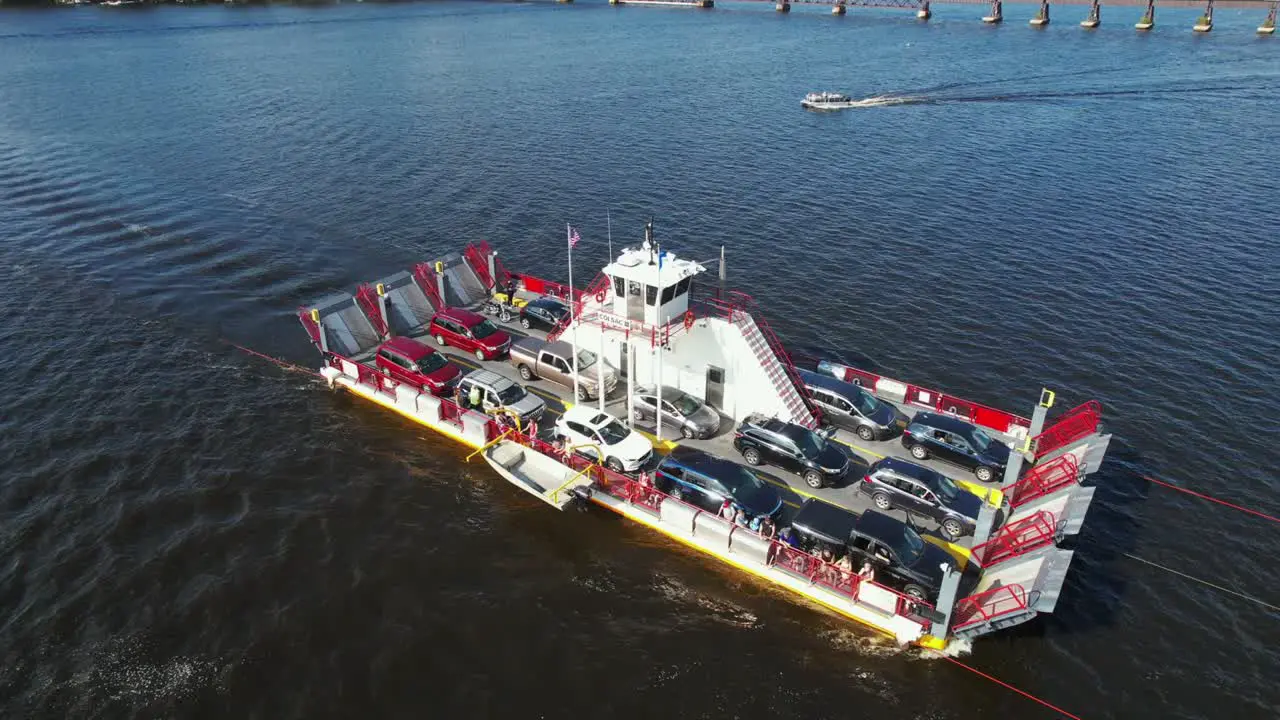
x=901 y=558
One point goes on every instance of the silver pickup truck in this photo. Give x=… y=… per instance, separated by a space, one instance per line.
x=535 y=359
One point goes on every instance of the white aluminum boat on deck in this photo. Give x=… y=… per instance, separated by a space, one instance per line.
x=542 y=477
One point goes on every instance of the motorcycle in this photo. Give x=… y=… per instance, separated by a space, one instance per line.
x=503 y=304
x=501 y=310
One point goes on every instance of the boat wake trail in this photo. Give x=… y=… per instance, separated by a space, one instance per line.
x=1050 y=96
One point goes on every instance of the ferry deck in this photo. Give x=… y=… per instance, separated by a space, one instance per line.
x=1025 y=514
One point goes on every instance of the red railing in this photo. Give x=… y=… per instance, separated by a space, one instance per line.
x=477 y=256
x=599 y=286
x=989 y=604
x=781 y=555
x=313 y=330
x=1077 y=423
x=539 y=286
x=367 y=299
x=1042 y=480
x=425 y=275
x=1015 y=539
x=976 y=413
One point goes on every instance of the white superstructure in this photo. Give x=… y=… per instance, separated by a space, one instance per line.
x=643 y=322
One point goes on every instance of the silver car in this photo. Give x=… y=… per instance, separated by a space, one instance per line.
x=681 y=413
x=497 y=393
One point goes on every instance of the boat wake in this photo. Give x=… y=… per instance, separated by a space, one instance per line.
x=885 y=101
x=943 y=98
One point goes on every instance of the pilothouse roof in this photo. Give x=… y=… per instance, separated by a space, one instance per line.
x=642 y=265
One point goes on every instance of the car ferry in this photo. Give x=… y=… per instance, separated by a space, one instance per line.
x=734 y=423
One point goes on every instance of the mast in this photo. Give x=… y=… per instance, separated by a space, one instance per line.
x=573 y=310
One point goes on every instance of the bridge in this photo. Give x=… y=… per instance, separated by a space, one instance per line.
x=923 y=11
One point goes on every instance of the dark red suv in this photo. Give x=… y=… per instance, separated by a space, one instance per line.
x=409 y=361
x=469 y=331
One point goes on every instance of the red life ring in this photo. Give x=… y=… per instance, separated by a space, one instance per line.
x=600 y=297
x=688 y=319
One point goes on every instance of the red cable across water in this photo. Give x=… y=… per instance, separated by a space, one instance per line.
x=1202 y=496
x=282 y=363
x=1002 y=683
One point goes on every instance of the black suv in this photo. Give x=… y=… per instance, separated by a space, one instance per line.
x=897 y=483
x=902 y=559
x=707 y=481
x=544 y=313
x=794 y=447
x=957 y=442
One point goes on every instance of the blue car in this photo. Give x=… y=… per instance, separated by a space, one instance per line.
x=705 y=480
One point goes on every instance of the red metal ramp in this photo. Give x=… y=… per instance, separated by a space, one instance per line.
x=343 y=328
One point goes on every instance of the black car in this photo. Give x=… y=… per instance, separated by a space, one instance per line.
x=850 y=407
x=897 y=483
x=707 y=481
x=957 y=442
x=794 y=447
x=544 y=313
x=901 y=558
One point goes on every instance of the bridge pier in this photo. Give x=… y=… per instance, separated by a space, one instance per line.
x=838 y=9
x=1042 y=17
x=924 y=13
x=783 y=6
x=1095 y=16
x=1205 y=22
x=997 y=13
x=1268 y=26
x=1148 y=20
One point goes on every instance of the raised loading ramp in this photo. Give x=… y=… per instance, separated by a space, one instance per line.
x=408 y=308
x=346 y=330
x=1067 y=506
x=1013 y=593
x=462 y=287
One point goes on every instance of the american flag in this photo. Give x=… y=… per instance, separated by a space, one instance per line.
x=573 y=237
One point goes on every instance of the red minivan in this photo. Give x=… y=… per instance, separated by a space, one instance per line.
x=469 y=331
x=408 y=361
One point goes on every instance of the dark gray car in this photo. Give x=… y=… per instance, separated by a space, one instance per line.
x=682 y=413
x=897 y=483
x=848 y=406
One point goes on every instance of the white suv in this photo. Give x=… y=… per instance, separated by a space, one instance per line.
x=599 y=433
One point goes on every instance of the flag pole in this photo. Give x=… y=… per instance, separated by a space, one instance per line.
x=657 y=323
x=574 y=310
x=600 y=370
x=609 y=225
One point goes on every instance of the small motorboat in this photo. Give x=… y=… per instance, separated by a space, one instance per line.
x=827 y=101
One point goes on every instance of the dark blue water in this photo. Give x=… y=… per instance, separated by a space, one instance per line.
x=187 y=532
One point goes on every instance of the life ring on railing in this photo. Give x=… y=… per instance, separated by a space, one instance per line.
x=688 y=319
x=600 y=297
